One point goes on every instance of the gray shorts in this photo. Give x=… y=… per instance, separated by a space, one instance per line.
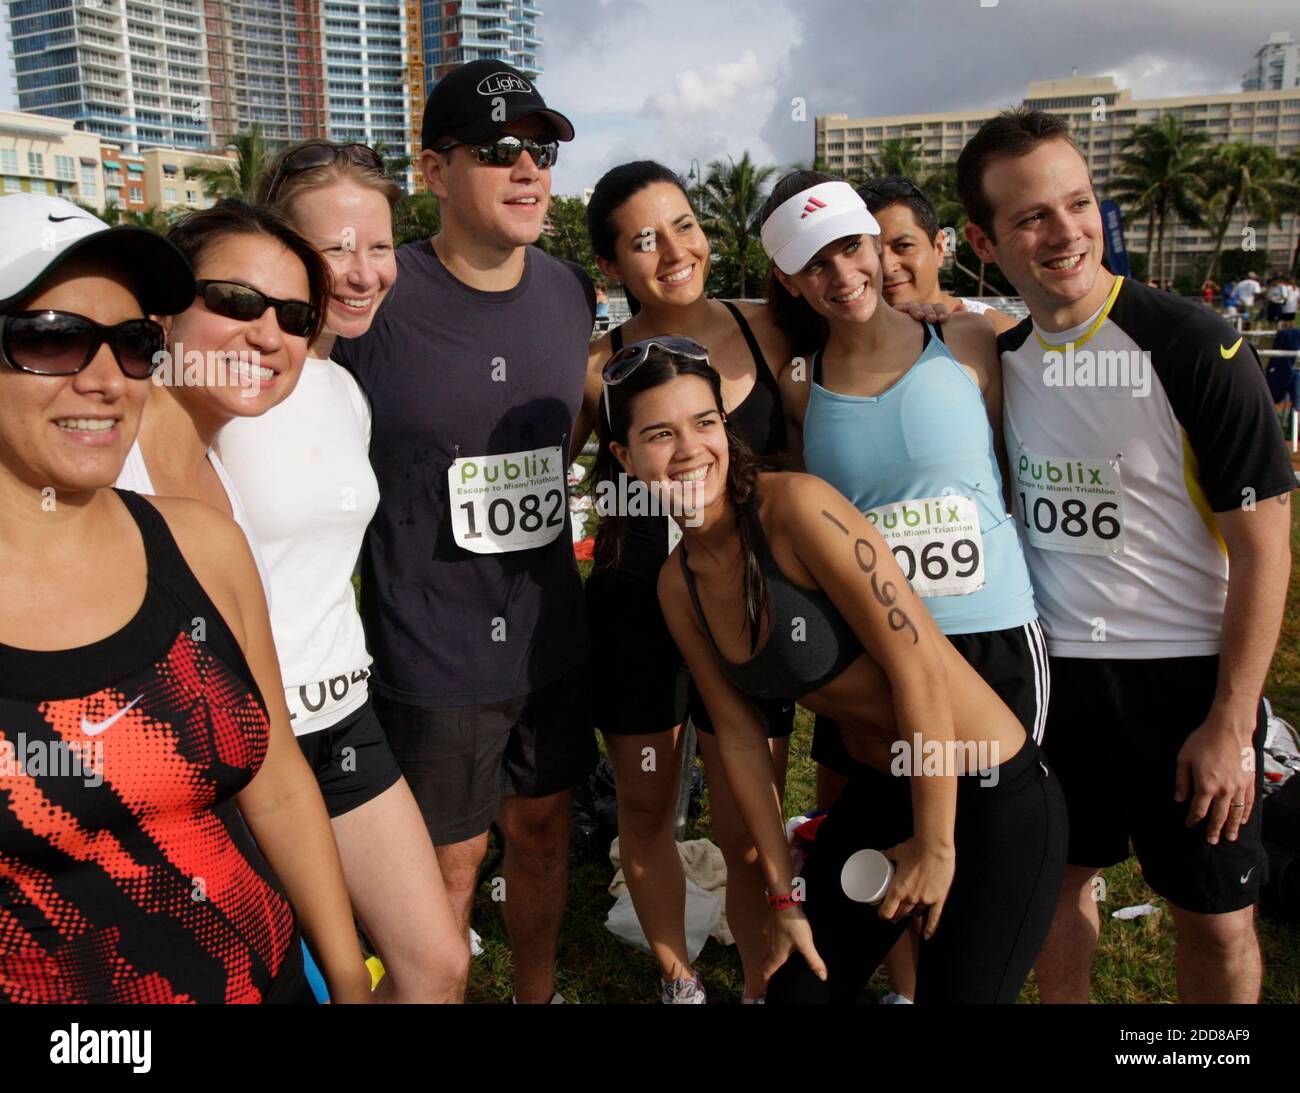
x=461 y=760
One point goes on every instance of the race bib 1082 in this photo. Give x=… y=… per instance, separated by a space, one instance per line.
x=502 y=503
x=936 y=542
x=1069 y=504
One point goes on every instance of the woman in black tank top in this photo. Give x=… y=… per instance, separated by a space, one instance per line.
x=645 y=236
x=789 y=590
x=144 y=743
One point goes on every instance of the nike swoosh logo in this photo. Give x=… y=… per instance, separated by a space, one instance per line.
x=60 y=219
x=1228 y=354
x=94 y=728
x=1248 y=873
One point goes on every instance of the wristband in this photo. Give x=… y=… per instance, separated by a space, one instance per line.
x=780 y=903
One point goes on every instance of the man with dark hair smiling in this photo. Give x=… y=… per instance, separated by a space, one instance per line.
x=470 y=594
x=1145 y=458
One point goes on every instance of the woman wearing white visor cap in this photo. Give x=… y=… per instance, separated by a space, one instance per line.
x=904 y=419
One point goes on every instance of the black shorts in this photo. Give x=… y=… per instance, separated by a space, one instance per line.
x=1009 y=839
x=461 y=760
x=351 y=759
x=1273 y=311
x=1013 y=662
x=640 y=683
x=1113 y=737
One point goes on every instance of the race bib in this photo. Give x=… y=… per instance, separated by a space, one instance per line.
x=501 y=503
x=936 y=542
x=324 y=697
x=1069 y=504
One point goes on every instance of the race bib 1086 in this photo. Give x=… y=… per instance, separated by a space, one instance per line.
x=1069 y=504
x=502 y=503
x=936 y=542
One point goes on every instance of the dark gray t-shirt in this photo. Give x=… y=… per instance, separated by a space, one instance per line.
x=469 y=589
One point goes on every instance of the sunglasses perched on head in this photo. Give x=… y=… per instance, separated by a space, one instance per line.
x=891 y=189
x=311 y=157
x=631 y=357
x=61 y=343
x=506 y=151
x=235 y=301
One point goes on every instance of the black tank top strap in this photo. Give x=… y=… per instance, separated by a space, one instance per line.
x=695 y=602
x=616 y=339
x=170 y=573
x=765 y=376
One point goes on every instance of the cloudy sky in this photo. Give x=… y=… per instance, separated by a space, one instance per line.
x=680 y=79
x=677 y=80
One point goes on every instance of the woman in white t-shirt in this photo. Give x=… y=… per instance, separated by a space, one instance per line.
x=304 y=474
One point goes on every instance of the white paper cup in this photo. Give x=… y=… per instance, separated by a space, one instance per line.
x=866 y=876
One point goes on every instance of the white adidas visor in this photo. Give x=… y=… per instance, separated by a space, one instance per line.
x=801 y=226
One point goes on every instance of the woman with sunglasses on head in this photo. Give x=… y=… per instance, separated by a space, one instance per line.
x=912 y=250
x=904 y=419
x=303 y=472
x=645 y=235
x=783 y=589
x=144 y=744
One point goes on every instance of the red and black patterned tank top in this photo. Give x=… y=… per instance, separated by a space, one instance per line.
x=126 y=871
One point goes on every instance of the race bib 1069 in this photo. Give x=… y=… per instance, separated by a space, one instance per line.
x=1069 y=504
x=936 y=542
x=502 y=503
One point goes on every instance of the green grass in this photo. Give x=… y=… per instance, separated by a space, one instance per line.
x=1135 y=962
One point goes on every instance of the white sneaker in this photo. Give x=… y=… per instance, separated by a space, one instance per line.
x=682 y=992
x=475 y=943
x=892 y=999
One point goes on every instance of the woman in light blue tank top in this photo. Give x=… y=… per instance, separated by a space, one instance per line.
x=908 y=428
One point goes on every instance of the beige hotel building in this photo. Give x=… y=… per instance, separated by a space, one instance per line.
x=1102 y=118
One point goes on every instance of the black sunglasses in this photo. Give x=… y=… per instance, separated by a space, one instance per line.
x=631 y=357
x=505 y=151
x=236 y=301
x=311 y=157
x=61 y=343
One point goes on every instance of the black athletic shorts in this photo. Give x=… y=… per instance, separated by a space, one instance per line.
x=1113 y=737
x=1010 y=838
x=461 y=760
x=1013 y=662
x=352 y=761
x=640 y=683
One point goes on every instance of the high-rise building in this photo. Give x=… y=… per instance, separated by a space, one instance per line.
x=132 y=71
x=458 y=31
x=266 y=64
x=1102 y=118
x=365 y=73
x=1276 y=66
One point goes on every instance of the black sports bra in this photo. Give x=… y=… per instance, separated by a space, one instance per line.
x=783 y=667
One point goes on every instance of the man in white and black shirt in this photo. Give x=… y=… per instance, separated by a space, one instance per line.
x=1144 y=458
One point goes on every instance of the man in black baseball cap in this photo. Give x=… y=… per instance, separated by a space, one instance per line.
x=476 y=103
x=472 y=604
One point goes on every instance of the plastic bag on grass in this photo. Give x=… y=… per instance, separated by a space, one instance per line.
x=703 y=910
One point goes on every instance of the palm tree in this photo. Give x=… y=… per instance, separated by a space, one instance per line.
x=152 y=218
x=239 y=177
x=1241 y=176
x=1161 y=176
x=1286 y=192
x=897 y=156
x=396 y=164
x=730 y=201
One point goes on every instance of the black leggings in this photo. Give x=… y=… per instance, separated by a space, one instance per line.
x=1010 y=844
